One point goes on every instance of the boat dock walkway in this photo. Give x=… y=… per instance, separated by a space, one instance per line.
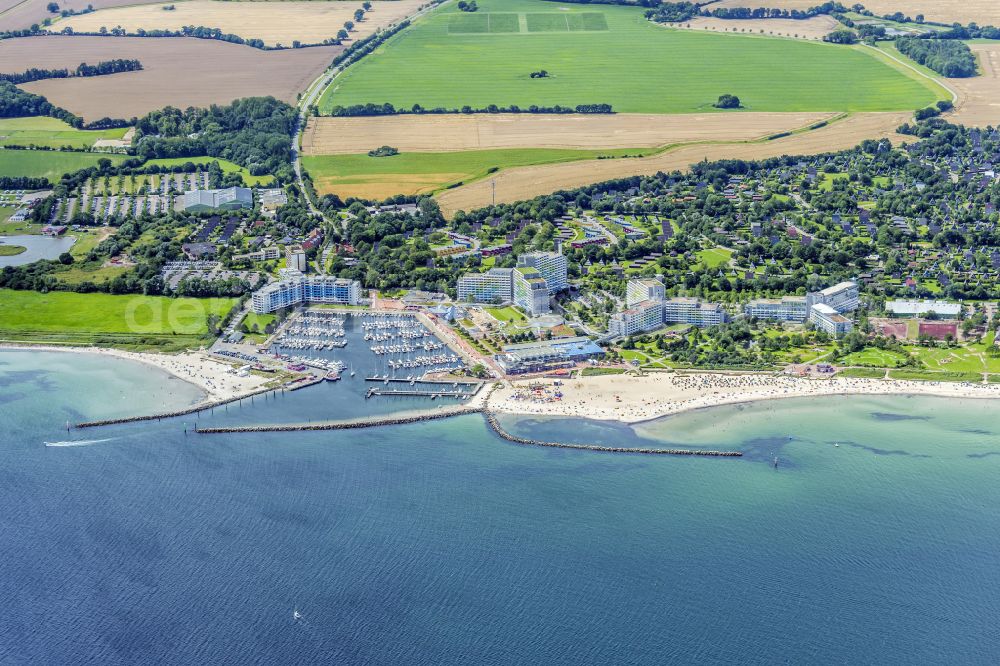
x=372 y=392
x=415 y=380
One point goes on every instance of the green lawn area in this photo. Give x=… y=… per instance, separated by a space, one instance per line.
x=934 y=376
x=714 y=257
x=146 y=321
x=418 y=173
x=875 y=358
x=225 y=165
x=48 y=164
x=862 y=373
x=11 y=250
x=634 y=65
x=972 y=358
x=507 y=314
x=50 y=133
x=827 y=180
x=259 y=320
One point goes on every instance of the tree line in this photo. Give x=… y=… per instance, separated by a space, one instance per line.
x=947 y=57
x=82 y=70
x=388 y=109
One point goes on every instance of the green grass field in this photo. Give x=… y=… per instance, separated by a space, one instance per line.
x=714 y=257
x=417 y=173
x=450 y=60
x=507 y=314
x=875 y=358
x=50 y=133
x=67 y=317
x=48 y=164
x=225 y=165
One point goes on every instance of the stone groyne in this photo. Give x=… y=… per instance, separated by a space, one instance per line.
x=499 y=430
x=341 y=425
x=193 y=409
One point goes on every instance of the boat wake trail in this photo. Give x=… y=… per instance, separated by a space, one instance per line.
x=78 y=442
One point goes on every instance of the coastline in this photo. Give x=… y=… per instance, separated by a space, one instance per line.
x=633 y=400
x=212 y=377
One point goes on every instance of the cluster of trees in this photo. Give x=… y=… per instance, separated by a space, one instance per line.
x=83 y=69
x=727 y=102
x=766 y=12
x=467 y=6
x=540 y=74
x=384 y=151
x=672 y=12
x=843 y=37
x=23 y=183
x=254 y=132
x=388 y=109
x=947 y=57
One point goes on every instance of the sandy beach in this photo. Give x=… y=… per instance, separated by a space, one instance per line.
x=212 y=376
x=633 y=399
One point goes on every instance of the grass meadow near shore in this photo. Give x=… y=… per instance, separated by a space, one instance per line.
x=47 y=163
x=51 y=133
x=133 y=321
x=442 y=61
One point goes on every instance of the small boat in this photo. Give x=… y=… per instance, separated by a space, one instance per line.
x=333 y=376
x=296 y=615
x=775 y=462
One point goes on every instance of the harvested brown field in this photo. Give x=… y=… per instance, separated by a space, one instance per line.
x=178 y=71
x=21 y=14
x=816 y=27
x=453 y=132
x=527 y=182
x=983 y=12
x=273 y=22
x=979 y=97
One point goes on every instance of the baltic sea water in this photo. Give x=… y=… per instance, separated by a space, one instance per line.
x=874 y=541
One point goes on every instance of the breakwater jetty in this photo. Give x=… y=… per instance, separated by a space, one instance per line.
x=193 y=409
x=341 y=425
x=501 y=432
x=491 y=420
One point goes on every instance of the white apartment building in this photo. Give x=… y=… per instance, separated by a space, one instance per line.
x=826 y=318
x=644 y=316
x=788 y=308
x=693 y=311
x=552 y=267
x=494 y=286
x=295 y=259
x=294 y=288
x=647 y=289
x=841 y=297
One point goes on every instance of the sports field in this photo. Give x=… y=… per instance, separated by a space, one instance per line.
x=225 y=165
x=50 y=133
x=439 y=62
x=90 y=318
x=47 y=164
x=420 y=173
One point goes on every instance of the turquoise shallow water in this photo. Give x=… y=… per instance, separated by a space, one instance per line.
x=440 y=543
